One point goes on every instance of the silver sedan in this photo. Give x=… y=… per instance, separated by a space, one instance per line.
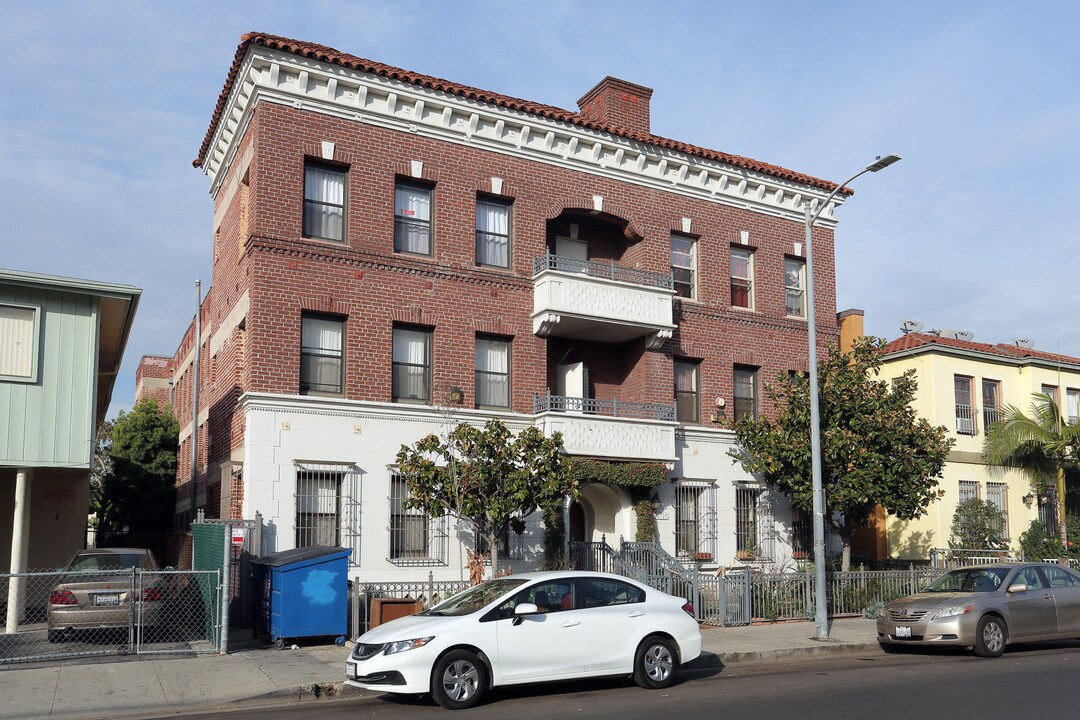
x=986 y=608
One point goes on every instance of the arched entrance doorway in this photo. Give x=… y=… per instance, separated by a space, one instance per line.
x=576 y=529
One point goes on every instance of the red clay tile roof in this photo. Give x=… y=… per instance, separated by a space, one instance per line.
x=330 y=55
x=914 y=340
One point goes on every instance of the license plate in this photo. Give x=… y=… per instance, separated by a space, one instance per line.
x=902 y=631
x=350 y=670
x=107 y=599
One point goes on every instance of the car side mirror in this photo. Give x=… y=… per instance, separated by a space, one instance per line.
x=526 y=609
x=1018 y=587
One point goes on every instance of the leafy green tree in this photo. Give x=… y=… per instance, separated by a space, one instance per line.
x=874 y=450
x=1042 y=445
x=978 y=525
x=487 y=477
x=136 y=488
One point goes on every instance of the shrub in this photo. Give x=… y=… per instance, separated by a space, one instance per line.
x=978 y=525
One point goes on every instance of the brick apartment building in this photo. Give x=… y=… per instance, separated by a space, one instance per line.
x=394 y=252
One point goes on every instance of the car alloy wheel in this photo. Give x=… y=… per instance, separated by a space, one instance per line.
x=655 y=663
x=459 y=680
x=990 y=637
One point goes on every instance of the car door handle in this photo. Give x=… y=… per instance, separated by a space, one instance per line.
x=635 y=613
x=1049 y=596
x=571 y=623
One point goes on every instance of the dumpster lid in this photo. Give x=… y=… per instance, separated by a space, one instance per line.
x=288 y=557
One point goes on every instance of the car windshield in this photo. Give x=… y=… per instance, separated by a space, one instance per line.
x=969 y=580
x=106 y=561
x=476 y=597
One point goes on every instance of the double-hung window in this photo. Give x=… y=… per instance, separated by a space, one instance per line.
x=747 y=525
x=795 y=287
x=492 y=372
x=1052 y=391
x=412 y=219
x=324 y=202
x=318 y=508
x=745 y=392
x=996 y=495
x=493 y=233
x=411 y=365
x=686 y=391
x=965 y=413
x=321 y=355
x=18 y=342
x=991 y=402
x=683 y=265
x=742 y=278
x=1072 y=406
x=695 y=519
x=967 y=490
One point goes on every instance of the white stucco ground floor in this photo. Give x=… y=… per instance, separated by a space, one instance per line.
x=321 y=471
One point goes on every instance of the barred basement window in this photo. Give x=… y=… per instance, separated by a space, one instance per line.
x=318 y=507
x=748 y=525
x=968 y=490
x=695 y=519
x=415 y=537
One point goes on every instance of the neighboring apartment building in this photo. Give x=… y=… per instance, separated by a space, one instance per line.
x=964 y=385
x=393 y=253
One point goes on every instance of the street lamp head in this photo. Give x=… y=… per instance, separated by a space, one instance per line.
x=882 y=162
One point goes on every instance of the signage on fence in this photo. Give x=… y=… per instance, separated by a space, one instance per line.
x=238 y=534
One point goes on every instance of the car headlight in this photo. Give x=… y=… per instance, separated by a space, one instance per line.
x=953 y=611
x=403 y=645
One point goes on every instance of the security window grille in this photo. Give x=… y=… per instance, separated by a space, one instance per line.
x=17 y=347
x=996 y=496
x=411 y=365
x=492 y=372
x=1072 y=406
x=968 y=490
x=991 y=402
x=324 y=202
x=321 y=355
x=742 y=278
x=492 y=233
x=795 y=287
x=511 y=545
x=318 y=507
x=415 y=538
x=802 y=534
x=965 y=412
x=412 y=219
x=695 y=519
x=747 y=528
x=683 y=265
x=686 y=391
x=1048 y=512
x=745 y=392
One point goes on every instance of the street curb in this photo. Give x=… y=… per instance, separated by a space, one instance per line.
x=757 y=657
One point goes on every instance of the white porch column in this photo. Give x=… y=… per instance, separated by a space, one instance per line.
x=20 y=544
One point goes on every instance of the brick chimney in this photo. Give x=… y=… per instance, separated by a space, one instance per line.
x=619 y=103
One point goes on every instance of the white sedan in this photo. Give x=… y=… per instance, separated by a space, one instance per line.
x=532 y=627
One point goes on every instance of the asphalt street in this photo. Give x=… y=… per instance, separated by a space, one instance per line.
x=939 y=685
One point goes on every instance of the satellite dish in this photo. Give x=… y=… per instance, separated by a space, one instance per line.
x=1024 y=342
x=956 y=334
x=965 y=335
x=910 y=326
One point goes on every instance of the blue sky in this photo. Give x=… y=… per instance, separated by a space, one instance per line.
x=976 y=229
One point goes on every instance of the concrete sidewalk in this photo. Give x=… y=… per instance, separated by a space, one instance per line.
x=149 y=685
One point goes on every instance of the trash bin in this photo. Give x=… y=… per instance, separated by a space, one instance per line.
x=304 y=593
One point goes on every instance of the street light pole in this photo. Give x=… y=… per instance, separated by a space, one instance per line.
x=821 y=617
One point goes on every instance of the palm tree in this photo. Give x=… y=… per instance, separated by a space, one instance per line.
x=1041 y=446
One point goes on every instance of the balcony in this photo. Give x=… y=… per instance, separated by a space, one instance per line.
x=609 y=428
x=590 y=300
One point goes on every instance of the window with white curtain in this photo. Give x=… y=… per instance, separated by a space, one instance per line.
x=321 y=355
x=412 y=219
x=795 y=287
x=492 y=233
x=1072 y=406
x=412 y=365
x=683 y=264
x=742 y=278
x=492 y=372
x=324 y=202
x=686 y=391
x=18 y=330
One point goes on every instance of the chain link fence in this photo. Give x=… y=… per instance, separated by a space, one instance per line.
x=64 y=614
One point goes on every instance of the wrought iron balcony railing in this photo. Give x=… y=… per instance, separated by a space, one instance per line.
x=609 y=408
x=603 y=270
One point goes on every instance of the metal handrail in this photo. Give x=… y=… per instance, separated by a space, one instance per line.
x=610 y=408
x=605 y=270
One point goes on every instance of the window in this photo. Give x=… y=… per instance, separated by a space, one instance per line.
x=1060 y=577
x=969 y=490
x=1072 y=406
x=802 y=534
x=745 y=392
x=492 y=372
x=965 y=413
x=511 y=545
x=1048 y=512
x=324 y=202
x=695 y=520
x=746 y=522
x=991 y=401
x=414 y=536
x=742 y=278
x=18 y=342
x=412 y=219
x=795 y=287
x=548 y=597
x=683 y=265
x=996 y=496
x=1052 y=391
x=601 y=592
x=321 y=355
x=686 y=391
x=492 y=233
x=318 y=507
x=412 y=365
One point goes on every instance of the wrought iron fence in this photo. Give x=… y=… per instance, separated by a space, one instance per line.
x=609 y=408
x=62 y=614
x=605 y=270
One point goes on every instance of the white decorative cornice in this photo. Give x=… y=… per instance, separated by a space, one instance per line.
x=275 y=77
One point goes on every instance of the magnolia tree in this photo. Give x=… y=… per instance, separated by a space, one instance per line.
x=487 y=477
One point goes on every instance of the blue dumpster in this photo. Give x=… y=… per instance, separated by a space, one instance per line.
x=304 y=593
